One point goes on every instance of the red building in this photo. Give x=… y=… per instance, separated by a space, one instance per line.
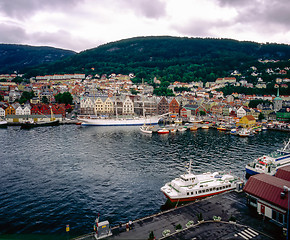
x=174 y=106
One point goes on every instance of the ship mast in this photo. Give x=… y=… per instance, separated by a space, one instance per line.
x=189 y=167
x=143 y=105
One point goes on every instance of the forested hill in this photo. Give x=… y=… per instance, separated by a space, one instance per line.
x=17 y=57
x=168 y=58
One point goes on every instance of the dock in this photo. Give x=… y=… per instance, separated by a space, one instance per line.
x=225 y=216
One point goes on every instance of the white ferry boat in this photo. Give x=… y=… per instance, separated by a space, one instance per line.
x=189 y=187
x=270 y=163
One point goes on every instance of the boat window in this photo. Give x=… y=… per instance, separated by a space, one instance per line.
x=188 y=193
x=199 y=191
x=203 y=191
x=211 y=189
x=207 y=190
x=191 y=193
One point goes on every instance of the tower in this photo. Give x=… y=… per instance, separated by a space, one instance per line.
x=277 y=102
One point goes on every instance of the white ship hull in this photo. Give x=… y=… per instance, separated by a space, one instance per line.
x=269 y=164
x=119 y=121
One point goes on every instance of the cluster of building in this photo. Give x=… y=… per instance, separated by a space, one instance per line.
x=112 y=94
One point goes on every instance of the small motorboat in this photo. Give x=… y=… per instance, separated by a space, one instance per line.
x=163 y=131
x=221 y=128
x=146 y=129
x=194 y=128
x=173 y=130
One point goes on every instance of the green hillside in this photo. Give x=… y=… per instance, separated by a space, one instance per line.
x=17 y=57
x=169 y=58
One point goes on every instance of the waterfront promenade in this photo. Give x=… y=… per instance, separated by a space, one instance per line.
x=248 y=225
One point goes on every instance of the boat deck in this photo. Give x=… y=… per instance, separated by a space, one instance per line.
x=249 y=225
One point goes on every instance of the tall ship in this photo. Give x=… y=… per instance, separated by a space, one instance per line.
x=105 y=121
x=270 y=163
x=189 y=187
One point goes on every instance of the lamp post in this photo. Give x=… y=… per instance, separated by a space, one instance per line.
x=287 y=189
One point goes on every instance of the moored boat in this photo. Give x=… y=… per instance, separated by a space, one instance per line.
x=189 y=187
x=270 y=163
x=194 y=128
x=221 y=128
x=163 y=131
x=3 y=123
x=146 y=129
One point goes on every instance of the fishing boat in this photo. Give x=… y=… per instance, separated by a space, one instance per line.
x=146 y=129
x=163 y=131
x=52 y=121
x=270 y=163
x=189 y=187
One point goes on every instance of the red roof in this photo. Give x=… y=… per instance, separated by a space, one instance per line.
x=283 y=173
x=267 y=188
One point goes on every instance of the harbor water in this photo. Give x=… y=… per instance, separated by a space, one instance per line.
x=52 y=177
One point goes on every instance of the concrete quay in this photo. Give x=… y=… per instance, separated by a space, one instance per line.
x=248 y=225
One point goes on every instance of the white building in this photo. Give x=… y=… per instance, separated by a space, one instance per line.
x=241 y=112
x=128 y=106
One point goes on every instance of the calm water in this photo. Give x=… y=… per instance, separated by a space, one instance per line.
x=62 y=175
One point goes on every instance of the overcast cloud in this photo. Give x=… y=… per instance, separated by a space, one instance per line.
x=84 y=24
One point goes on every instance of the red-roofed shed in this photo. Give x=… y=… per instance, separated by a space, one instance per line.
x=266 y=193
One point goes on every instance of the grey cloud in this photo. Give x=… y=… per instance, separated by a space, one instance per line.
x=21 y=9
x=150 y=9
x=273 y=12
x=11 y=33
x=193 y=28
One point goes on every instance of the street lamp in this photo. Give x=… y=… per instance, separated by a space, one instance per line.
x=287 y=189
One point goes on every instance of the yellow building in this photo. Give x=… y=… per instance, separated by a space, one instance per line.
x=247 y=121
x=108 y=106
x=10 y=110
x=99 y=106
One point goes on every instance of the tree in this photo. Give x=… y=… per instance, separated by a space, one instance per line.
x=133 y=91
x=17 y=79
x=261 y=116
x=44 y=99
x=26 y=96
x=65 y=97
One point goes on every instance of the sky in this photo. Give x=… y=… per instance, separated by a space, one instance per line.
x=83 y=24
